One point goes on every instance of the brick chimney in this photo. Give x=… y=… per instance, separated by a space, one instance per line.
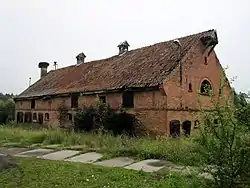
x=123 y=47
x=43 y=66
x=80 y=58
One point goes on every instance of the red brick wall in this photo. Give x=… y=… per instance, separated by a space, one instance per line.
x=195 y=71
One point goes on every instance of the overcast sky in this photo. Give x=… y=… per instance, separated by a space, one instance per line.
x=57 y=30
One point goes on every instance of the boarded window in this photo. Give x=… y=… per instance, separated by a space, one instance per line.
x=46 y=117
x=33 y=103
x=206 y=88
x=128 y=99
x=74 y=101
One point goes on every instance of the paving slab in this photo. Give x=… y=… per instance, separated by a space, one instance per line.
x=116 y=162
x=90 y=157
x=60 y=155
x=34 y=153
x=149 y=165
x=12 y=151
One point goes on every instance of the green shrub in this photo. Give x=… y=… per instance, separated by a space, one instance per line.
x=103 y=116
x=225 y=146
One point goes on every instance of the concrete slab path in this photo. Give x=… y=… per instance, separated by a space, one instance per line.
x=60 y=155
x=149 y=165
x=116 y=162
x=90 y=157
x=34 y=153
x=12 y=151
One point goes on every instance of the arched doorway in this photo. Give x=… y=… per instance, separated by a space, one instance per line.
x=175 y=128
x=186 y=126
x=19 y=117
x=40 y=118
x=27 y=117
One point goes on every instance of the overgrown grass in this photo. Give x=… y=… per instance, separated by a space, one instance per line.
x=181 y=151
x=43 y=173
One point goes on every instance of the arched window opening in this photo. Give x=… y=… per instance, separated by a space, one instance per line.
x=186 y=126
x=175 y=128
x=206 y=88
x=46 y=117
x=34 y=118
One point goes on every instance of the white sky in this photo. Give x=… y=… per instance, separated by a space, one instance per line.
x=57 y=30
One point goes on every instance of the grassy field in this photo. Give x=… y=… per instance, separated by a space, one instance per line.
x=182 y=151
x=43 y=173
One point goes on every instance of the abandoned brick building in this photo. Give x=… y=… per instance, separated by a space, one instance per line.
x=158 y=83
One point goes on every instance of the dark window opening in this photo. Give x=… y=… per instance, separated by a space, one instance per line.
x=206 y=88
x=102 y=99
x=190 y=87
x=175 y=128
x=205 y=60
x=219 y=91
x=128 y=99
x=33 y=103
x=74 y=101
x=216 y=121
x=69 y=117
x=34 y=118
x=46 y=117
x=186 y=126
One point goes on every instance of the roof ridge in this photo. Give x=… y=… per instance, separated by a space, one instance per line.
x=157 y=43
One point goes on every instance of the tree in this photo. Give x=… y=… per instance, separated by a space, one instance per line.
x=224 y=142
x=7 y=108
x=240 y=100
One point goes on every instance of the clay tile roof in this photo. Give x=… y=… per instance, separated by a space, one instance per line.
x=143 y=67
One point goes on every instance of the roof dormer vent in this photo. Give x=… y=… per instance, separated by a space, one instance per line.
x=123 y=47
x=80 y=58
